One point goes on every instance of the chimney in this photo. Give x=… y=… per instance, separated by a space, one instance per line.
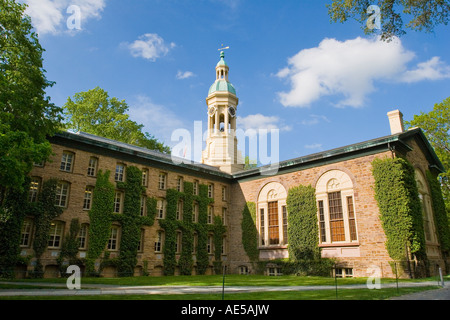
x=396 y=121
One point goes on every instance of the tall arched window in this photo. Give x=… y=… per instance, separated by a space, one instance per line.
x=272 y=215
x=336 y=208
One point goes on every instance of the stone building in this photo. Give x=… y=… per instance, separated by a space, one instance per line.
x=348 y=219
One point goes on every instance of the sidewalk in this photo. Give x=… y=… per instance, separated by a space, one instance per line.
x=101 y=289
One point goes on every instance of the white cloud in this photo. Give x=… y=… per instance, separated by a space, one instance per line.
x=51 y=16
x=184 y=75
x=149 y=46
x=433 y=69
x=259 y=121
x=349 y=69
x=158 y=120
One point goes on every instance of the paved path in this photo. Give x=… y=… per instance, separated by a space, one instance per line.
x=100 y=289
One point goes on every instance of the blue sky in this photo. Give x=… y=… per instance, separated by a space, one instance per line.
x=323 y=85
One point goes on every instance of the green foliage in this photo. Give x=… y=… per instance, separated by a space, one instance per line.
x=16 y=206
x=45 y=212
x=26 y=115
x=250 y=232
x=171 y=225
x=400 y=208
x=440 y=215
x=436 y=127
x=95 y=112
x=69 y=249
x=219 y=231
x=302 y=227
x=100 y=219
x=424 y=14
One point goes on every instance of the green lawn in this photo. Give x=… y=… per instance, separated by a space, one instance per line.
x=230 y=280
x=343 y=294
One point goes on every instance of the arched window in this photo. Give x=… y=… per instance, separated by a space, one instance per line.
x=424 y=196
x=336 y=208
x=272 y=215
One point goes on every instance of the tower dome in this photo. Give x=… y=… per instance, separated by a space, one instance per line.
x=222 y=84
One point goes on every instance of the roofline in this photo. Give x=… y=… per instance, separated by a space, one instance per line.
x=387 y=143
x=166 y=160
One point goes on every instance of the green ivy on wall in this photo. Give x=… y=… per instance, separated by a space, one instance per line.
x=100 y=219
x=250 y=232
x=440 y=214
x=171 y=225
x=45 y=211
x=302 y=223
x=17 y=208
x=69 y=249
x=397 y=196
x=131 y=220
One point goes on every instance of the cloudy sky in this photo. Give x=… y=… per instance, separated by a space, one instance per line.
x=323 y=85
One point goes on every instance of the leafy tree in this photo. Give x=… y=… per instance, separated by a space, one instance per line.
x=95 y=112
x=425 y=14
x=436 y=126
x=27 y=116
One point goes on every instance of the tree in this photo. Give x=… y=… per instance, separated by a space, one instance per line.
x=436 y=126
x=27 y=117
x=425 y=14
x=95 y=112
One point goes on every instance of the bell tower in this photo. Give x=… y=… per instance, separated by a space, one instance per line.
x=221 y=143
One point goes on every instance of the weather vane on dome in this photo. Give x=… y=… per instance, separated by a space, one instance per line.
x=223 y=48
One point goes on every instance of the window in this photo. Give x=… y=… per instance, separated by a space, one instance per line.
x=322 y=233
x=87 y=202
x=243 y=270
x=113 y=239
x=351 y=219
x=159 y=241
x=162 y=180
x=55 y=235
x=337 y=230
x=141 y=242
x=92 y=167
x=67 y=161
x=262 y=227
x=179 y=213
x=62 y=194
x=210 y=214
x=285 y=225
x=427 y=209
x=180 y=184
x=210 y=190
x=195 y=243
x=272 y=219
x=120 y=172
x=195 y=212
x=336 y=208
x=25 y=237
x=195 y=188
x=210 y=245
x=274 y=231
x=224 y=245
x=275 y=271
x=145 y=177
x=143 y=205
x=224 y=216
x=118 y=196
x=161 y=208
x=34 y=189
x=343 y=272
x=178 y=242
x=224 y=193
x=82 y=237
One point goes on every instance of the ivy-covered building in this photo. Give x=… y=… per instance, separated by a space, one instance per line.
x=116 y=209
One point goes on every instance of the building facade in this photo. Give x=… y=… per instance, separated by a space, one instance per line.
x=348 y=217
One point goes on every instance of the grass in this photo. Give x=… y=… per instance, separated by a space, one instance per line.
x=343 y=294
x=216 y=280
